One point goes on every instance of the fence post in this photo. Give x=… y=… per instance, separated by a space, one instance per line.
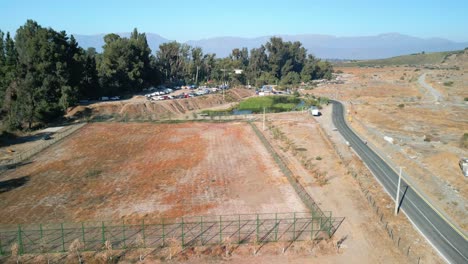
x=83 y=234
x=163 y=234
x=40 y=228
x=63 y=238
x=20 y=240
x=143 y=231
x=294 y=227
x=312 y=227
x=239 y=239
x=123 y=233
x=331 y=225
x=257 y=229
x=201 y=230
x=183 y=232
x=1 y=250
x=277 y=227
x=220 y=229
x=103 y=230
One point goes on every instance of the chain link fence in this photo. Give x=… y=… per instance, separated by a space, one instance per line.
x=24 y=155
x=300 y=190
x=399 y=239
x=186 y=231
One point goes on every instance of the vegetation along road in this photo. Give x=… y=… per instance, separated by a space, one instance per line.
x=446 y=239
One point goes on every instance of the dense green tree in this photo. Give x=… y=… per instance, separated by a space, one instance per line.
x=43 y=72
x=2 y=49
x=125 y=65
x=46 y=83
x=89 y=86
x=291 y=78
x=284 y=57
x=172 y=61
x=2 y=69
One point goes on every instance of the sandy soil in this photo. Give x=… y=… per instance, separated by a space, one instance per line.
x=135 y=170
x=367 y=182
x=391 y=102
x=364 y=240
x=114 y=170
x=139 y=107
x=14 y=147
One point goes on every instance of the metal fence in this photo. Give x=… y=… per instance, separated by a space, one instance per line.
x=22 y=156
x=398 y=237
x=300 y=190
x=186 y=231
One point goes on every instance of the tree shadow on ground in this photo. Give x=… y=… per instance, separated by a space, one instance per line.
x=11 y=184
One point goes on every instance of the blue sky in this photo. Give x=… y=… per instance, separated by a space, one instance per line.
x=184 y=19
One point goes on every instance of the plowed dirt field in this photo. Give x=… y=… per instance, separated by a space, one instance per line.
x=110 y=171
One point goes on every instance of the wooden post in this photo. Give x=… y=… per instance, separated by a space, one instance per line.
x=63 y=238
x=123 y=233
x=276 y=227
x=294 y=227
x=220 y=230
x=143 y=231
x=239 y=229
x=103 y=231
x=83 y=234
x=182 y=232
x=163 y=234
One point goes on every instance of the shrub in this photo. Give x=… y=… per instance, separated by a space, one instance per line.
x=401 y=105
x=449 y=83
x=464 y=141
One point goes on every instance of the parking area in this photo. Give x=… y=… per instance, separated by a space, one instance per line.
x=180 y=92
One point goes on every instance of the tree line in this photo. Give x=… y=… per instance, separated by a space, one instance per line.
x=43 y=71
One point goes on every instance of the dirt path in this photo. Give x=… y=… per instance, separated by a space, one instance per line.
x=436 y=94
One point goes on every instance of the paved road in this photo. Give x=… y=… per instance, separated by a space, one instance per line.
x=451 y=244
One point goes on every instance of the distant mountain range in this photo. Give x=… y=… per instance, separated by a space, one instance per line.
x=323 y=46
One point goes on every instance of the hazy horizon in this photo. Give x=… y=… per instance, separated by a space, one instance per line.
x=189 y=20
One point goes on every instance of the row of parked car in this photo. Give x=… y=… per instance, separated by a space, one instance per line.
x=164 y=93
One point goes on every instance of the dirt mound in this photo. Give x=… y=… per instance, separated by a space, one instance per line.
x=138 y=107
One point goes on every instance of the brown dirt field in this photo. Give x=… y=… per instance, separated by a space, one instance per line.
x=427 y=134
x=110 y=171
x=365 y=241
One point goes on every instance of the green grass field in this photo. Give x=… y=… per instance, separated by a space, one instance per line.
x=413 y=59
x=271 y=103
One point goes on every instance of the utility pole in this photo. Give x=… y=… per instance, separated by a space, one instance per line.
x=196 y=76
x=224 y=81
x=397 y=201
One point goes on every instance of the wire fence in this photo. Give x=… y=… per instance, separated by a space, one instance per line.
x=186 y=231
x=400 y=240
x=300 y=190
x=170 y=119
x=24 y=155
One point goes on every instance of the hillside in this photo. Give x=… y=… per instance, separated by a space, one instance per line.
x=412 y=59
x=322 y=46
